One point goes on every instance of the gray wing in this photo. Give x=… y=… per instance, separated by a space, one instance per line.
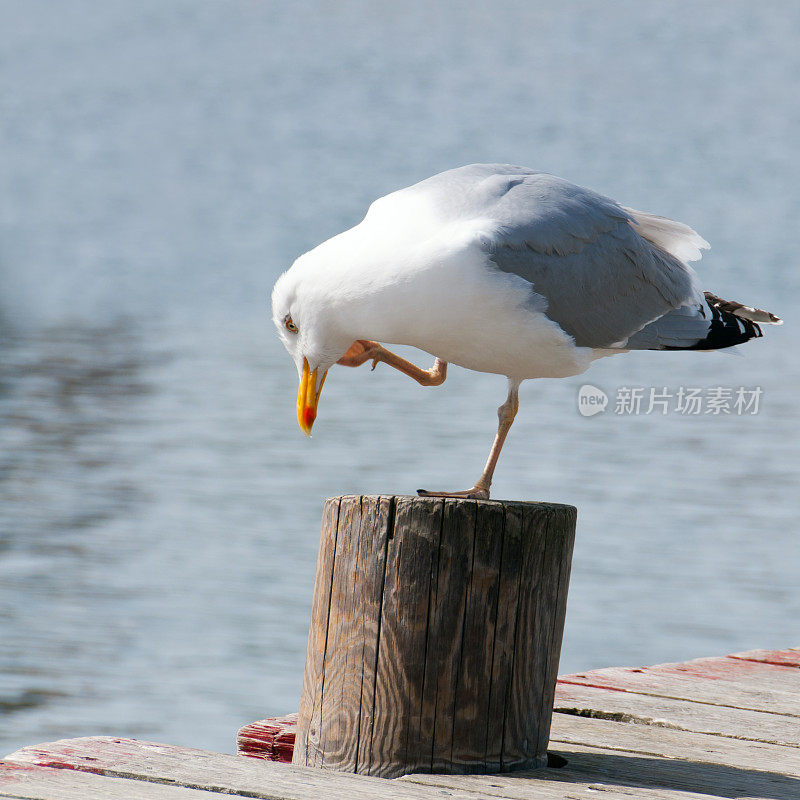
x=679 y=329
x=590 y=270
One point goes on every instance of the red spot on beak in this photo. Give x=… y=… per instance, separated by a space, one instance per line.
x=309 y=415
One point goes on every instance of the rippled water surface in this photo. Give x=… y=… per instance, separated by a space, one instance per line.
x=161 y=163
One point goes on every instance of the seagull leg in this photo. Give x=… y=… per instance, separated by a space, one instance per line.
x=364 y=350
x=505 y=415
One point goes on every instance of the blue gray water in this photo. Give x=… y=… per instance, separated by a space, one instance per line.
x=161 y=163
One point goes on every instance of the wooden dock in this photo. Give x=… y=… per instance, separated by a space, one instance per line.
x=714 y=727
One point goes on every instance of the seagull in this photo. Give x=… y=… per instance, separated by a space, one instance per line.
x=499 y=269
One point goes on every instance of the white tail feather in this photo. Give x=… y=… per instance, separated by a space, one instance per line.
x=757 y=315
x=674 y=237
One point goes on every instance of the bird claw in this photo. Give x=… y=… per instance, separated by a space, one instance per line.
x=360 y=352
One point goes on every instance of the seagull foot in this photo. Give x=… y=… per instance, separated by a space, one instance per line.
x=474 y=493
x=360 y=351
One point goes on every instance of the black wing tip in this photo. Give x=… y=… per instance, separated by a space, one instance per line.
x=731 y=324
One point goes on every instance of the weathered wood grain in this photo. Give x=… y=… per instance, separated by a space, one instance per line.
x=790 y=657
x=718 y=681
x=446 y=627
x=684 y=764
x=377 y=520
x=212 y=772
x=138 y=770
x=614 y=768
x=400 y=678
x=505 y=631
x=307 y=741
x=353 y=585
x=731 y=671
x=441 y=624
x=560 y=545
x=653 y=740
x=757 y=726
x=45 y=783
x=600 y=772
x=520 y=786
x=344 y=649
x=472 y=692
x=520 y=735
x=542 y=596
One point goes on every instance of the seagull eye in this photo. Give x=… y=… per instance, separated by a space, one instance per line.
x=289 y=325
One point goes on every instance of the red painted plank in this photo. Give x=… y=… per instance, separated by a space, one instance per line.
x=723 y=681
x=92 y=754
x=726 y=668
x=10 y=773
x=272 y=739
x=784 y=658
x=65 y=757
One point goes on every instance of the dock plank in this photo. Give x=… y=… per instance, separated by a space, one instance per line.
x=608 y=767
x=138 y=764
x=669 y=743
x=535 y=786
x=25 y=782
x=214 y=772
x=730 y=671
x=593 y=772
x=718 y=681
x=790 y=657
x=757 y=726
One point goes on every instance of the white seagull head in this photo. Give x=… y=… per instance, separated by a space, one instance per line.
x=309 y=328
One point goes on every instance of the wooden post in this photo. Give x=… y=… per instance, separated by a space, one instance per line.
x=435 y=635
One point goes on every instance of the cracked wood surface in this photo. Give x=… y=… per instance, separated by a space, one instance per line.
x=623 y=740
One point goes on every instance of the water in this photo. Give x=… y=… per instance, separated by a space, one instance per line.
x=163 y=162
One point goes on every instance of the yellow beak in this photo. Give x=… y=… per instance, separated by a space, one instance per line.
x=307 y=398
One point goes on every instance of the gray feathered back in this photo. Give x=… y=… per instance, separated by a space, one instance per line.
x=600 y=279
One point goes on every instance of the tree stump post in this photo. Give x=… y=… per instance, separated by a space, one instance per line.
x=435 y=635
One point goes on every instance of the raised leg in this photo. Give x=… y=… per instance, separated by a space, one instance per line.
x=364 y=350
x=505 y=415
